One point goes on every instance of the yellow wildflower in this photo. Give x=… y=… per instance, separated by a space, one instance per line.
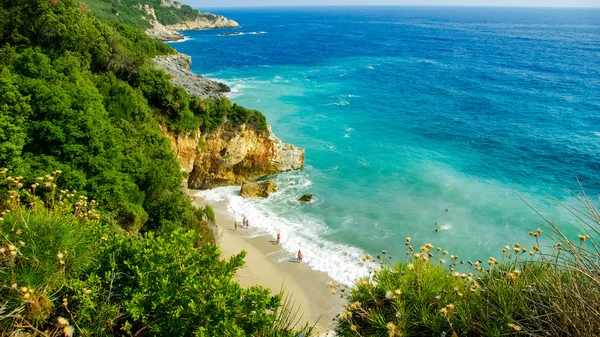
x=62 y=321
x=68 y=330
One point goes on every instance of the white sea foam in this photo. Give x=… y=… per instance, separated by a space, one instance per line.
x=236 y=90
x=341 y=102
x=446 y=227
x=597 y=133
x=236 y=85
x=370 y=67
x=298 y=230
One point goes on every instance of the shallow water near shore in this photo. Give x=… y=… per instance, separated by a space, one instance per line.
x=413 y=119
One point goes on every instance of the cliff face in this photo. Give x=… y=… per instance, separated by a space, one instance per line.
x=231 y=156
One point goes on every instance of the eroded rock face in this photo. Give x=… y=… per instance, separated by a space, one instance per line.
x=260 y=189
x=184 y=146
x=232 y=156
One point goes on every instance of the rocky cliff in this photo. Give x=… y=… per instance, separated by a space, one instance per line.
x=171 y=32
x=178 y=66
x=231 y=156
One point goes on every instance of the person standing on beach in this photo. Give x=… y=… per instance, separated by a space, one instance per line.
x=244 y=222
x=235 y=226
x=247 y=224
x=300 y=256
x=278 y=239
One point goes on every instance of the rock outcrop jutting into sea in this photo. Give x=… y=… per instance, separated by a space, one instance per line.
x=171 y=32
x=230 y=155
x=178 y=66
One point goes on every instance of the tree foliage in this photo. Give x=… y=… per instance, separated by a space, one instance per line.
x=81 y=95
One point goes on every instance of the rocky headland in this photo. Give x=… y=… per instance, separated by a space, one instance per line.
x=178 y=66
x=230 y=155
x=171 y=32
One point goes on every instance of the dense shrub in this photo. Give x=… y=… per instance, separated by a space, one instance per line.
x=86 y=100
x=64 y=271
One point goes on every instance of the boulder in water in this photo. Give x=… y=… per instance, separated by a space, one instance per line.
x=260 y=189
x=306 y=198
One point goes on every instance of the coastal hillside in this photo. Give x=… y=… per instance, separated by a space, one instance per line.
x=97 y=238
x=159 y=18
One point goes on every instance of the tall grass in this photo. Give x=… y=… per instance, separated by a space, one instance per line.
x=549 y=287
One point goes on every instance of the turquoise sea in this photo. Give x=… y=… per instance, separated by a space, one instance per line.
x=413 y=116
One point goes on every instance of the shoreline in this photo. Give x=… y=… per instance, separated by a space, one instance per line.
x=267 y=265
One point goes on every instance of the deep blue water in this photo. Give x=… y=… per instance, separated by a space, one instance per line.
x=408 y=111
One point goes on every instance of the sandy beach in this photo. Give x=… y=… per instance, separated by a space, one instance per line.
x=269 y=266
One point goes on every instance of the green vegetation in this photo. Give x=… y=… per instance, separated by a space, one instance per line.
x=64 y=272
x=128 y=254
x=129 y=12
x=536 y=291
x=85 y=99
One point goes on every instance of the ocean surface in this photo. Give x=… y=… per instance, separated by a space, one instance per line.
x=413 y=119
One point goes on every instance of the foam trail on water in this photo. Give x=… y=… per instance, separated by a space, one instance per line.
x=184 y=39
x=298 y=231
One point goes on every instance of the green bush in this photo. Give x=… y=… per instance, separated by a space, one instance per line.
x=64 y=271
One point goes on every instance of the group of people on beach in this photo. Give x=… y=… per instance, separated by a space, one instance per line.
x=246 y=224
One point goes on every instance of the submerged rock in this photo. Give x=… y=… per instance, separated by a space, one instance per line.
x=306 y=198
x=258 y=189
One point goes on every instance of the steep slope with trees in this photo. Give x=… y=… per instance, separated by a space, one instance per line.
x=107 y=244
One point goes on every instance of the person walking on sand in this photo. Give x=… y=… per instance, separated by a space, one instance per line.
x=278 y=239
x=300 y=256
x=235 y=226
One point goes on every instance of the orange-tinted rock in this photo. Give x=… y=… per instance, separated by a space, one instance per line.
x=231 y=156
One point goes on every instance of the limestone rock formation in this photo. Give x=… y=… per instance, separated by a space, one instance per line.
x=260 y=189
x=306 y=198
x=171 y=32
x=178 y=66
x=232 y=156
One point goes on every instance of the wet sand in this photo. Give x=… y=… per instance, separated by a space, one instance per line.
x=269 y=266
